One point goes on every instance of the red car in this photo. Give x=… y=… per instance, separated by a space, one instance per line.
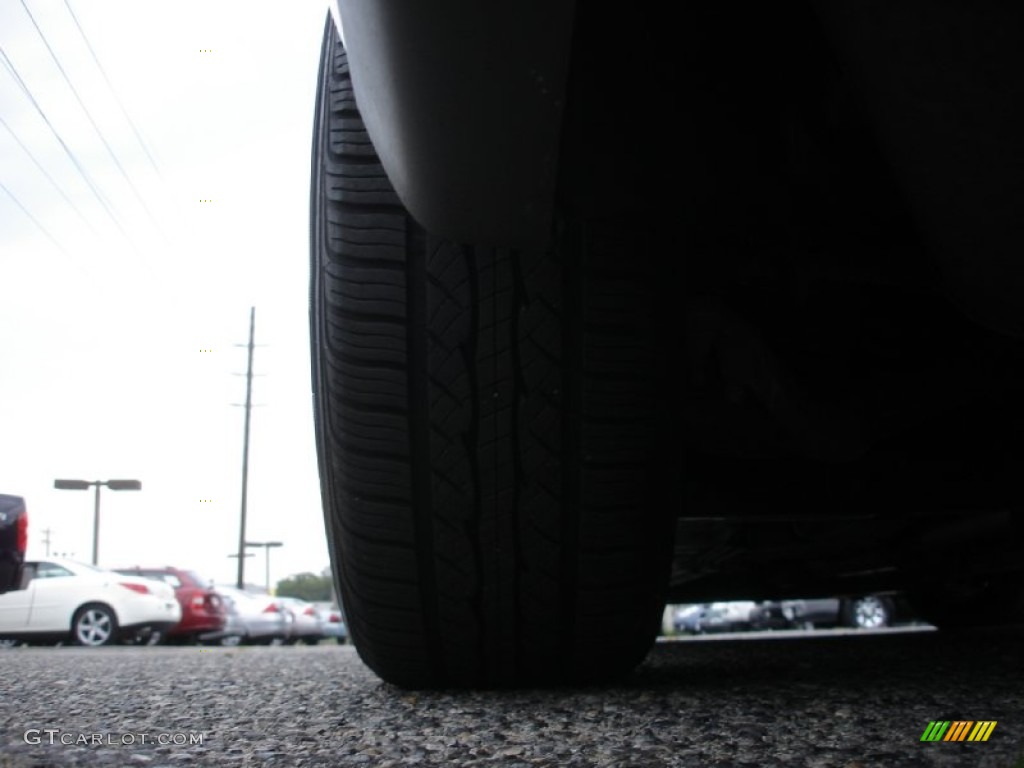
x=13 y=541
x=203 y=613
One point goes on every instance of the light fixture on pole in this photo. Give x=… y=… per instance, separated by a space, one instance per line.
x=267 y=545
x=84 y=485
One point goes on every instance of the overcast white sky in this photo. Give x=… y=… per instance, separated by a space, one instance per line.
x=103 y=326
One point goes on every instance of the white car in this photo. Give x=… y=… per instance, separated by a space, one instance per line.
x=65 y=599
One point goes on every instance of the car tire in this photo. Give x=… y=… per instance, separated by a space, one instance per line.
x=869 y=612
x=94 y=625
x=498 y=468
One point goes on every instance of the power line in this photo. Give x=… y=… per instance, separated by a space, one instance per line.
x=35 y=221
x=113 y=92
x=49 y=178
x=67 y=150
x=92 y=122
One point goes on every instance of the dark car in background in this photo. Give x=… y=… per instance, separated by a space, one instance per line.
x=13 y=541
x=203 y=613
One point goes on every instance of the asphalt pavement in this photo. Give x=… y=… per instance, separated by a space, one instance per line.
x=819 y=699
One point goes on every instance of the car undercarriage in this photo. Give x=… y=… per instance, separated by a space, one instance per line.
x=854 y=359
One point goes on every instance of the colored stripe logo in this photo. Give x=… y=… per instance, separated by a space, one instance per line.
x=958 y=730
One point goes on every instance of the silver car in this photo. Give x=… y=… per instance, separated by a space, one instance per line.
x=254 y=619
x=333 y=620
x=307 y=626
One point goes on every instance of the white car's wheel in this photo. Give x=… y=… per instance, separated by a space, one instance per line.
x=871 y=612
x=94 y=625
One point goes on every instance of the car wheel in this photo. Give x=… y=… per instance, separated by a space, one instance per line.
x=497 y=465
x=871 y=612
x=94 y=625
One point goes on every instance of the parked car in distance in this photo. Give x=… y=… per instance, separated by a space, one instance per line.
x=307 y=626
x=686 y=618
x=862 y=612
x=202 y=613
x=253 y=618
x=730 y=616
x=13 y=541
x=704 y=618
x=64 y=599
x=333 y=621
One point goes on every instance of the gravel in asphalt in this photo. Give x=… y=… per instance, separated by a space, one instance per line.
x=821 y=701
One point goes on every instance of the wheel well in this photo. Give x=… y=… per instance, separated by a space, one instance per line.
x=94 y=604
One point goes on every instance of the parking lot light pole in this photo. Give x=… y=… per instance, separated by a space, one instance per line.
x=247 y=554
x=266 y=548
x=83 y=485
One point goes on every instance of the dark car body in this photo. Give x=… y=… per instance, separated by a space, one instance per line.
x=829 y=197
x=855 y=330
x=795 y=121
x=202 y=611
x=464 y=105
x=13 y=541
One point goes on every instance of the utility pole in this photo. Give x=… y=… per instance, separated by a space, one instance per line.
x=247 y=554
x=245 y=450
x=46 y=540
